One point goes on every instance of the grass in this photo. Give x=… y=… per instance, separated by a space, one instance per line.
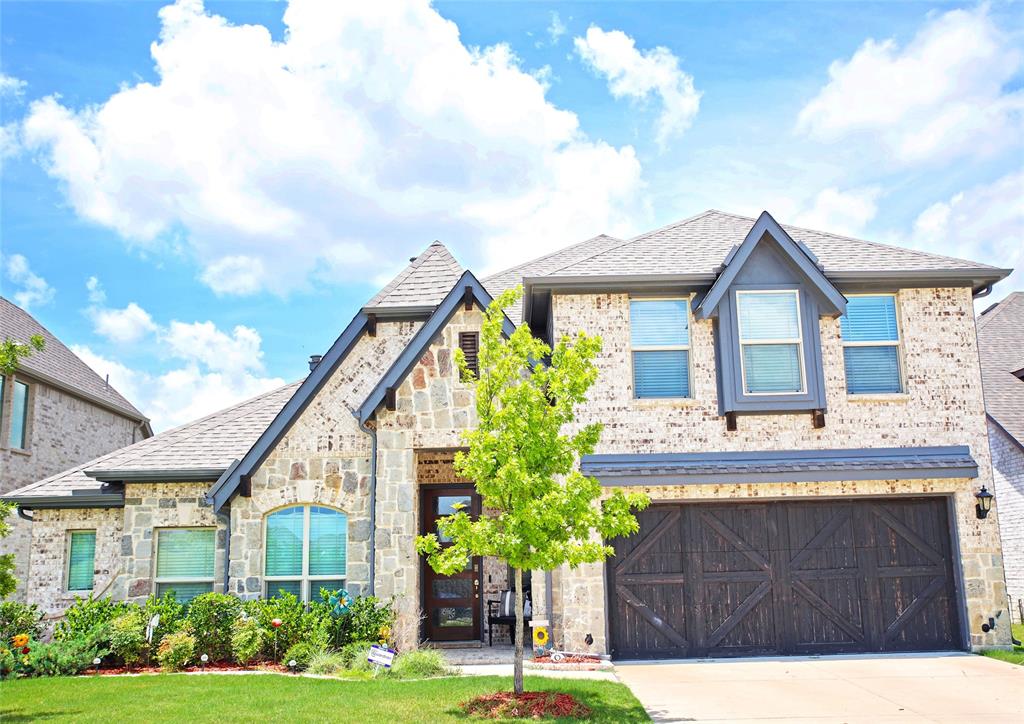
x=1016 y=656
x=246 y=698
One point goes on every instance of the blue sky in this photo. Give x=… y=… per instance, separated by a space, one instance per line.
x=196 y=197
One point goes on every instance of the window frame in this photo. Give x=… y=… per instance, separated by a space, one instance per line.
x=688 y=300
x=26 y=422
x=67 y=560
x=898 y=344
x=158 y=580
x=305 y=579
x=798 y=341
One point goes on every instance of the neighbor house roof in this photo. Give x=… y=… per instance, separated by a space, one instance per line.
x=1001 y=343
x=59 y=366
x=424 y=283
x=199 y=450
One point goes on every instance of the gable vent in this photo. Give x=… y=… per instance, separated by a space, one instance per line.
x=469 y=343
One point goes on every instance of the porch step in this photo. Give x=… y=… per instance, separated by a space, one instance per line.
x=454 y=644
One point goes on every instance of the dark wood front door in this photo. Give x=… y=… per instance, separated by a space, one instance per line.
x=833 y=576
x=451 y=604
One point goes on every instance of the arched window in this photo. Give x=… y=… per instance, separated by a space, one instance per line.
x=305 y=550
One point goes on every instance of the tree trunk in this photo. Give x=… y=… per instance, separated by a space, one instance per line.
x=517 y=670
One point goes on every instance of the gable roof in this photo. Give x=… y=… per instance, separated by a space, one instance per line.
x=199 y=450
x=59 y=366
x=466 y=290
x=423 y=283
x=1001 y=344
x=797 y=253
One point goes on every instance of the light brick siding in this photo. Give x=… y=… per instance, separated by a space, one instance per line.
x=1008 y=471
x=63 y=431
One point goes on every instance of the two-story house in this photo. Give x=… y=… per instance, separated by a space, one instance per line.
x=54 y=412
x=804 y=409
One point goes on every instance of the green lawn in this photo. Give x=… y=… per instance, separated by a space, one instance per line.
x=1017 y=655
x=238 y=698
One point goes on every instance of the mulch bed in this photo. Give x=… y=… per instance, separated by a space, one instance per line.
x=528 y=705
x=568 y=659
x=218 y=666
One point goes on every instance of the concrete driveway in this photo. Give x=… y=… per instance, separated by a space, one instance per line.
x=891 y=688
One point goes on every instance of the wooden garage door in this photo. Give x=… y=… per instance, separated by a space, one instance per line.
x=784 y=578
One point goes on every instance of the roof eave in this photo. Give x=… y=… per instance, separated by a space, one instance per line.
x=977 y=279
x=157 y=475
x=27 y=370
x=53 y=502
x=408 y=312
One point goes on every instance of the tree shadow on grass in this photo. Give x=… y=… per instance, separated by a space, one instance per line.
x=15 y=716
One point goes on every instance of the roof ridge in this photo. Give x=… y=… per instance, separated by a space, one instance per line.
x=550 y=254
x=435 y=248
x=996 y=309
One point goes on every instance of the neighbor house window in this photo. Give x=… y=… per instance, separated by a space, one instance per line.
x=18 y=436
x=871 y=345
x=306 y=550
x=184 y=561
x=660 y=340
x=771 y=344
x=81 y=559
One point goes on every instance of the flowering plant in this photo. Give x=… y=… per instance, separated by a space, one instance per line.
x=20 y=641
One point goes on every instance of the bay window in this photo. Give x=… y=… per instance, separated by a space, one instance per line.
x=771 y=343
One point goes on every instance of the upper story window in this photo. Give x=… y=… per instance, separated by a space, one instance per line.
x=871 y=345
x=660 y=339
x=17 y=436
x=185 y=561
x=306 y=549
x=81 y=560
x=771 y=344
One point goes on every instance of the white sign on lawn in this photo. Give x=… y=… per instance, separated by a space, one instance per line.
x=381 y=655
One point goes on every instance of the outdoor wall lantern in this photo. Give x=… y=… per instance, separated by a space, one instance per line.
x=984 y=502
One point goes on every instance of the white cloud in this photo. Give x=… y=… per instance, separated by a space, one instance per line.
x=123 y=326
x=839 y=212
x=639 y=75
x=30 y=288
x=556 y=29
x=95 y=289
x=370 y=126
x=984 y=223
x=11 y=87
x=941 y=96
x=234 y=354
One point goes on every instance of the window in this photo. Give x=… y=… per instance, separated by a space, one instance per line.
x=18 y=436
x=660 y=338
x=184 y=561
x=469 y=343
x=871 y=345
x=305 y=550
x=81 y=559
x=771 y=346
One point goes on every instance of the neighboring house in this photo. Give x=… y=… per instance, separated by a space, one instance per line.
x=1001 y=340
x=804 y=409
x=55 y=412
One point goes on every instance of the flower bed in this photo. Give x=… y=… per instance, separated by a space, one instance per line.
x=570 y=662
x=528 y=705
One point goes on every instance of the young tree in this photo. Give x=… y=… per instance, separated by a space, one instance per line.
x=540 y=512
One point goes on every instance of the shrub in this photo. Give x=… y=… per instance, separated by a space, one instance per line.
x=176 y=650
x=296 y=623
x=85 y=614
x=420 y=664
x=18 y=618
x=326 y=663
x=172 y=615
x=302 y=653
x=127 y=636
x=68 y=656
x=247 y=640
x=211 y=617
x=354 y=655
x=368 y=619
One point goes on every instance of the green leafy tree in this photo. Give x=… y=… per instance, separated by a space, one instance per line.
x=13 y=351
x=7 y=580
x=540 y=512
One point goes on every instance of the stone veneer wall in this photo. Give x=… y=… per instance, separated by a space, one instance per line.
x=943 y=405
x=1008 y=472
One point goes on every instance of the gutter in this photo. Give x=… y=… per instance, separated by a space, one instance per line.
x=373 y=502
x=226 y=513
x=87 y=500
x=23 y=514
x=163 y=475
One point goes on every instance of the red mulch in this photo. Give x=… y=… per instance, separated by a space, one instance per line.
x=528 y=705
x=569 y=659
x=217 y=666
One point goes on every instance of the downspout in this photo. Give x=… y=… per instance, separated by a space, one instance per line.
x=373 y=503
x=23 y=514
x=548 y=604
x=226 y=513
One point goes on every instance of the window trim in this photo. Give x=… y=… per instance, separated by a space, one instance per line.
x=688 y=299
x=67 y=560
x=304 y=579
x=26 y=423
x=798 y=341
x=898 y=344
x=158 y=580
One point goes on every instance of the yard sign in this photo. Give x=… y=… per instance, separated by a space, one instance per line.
x=381 y=656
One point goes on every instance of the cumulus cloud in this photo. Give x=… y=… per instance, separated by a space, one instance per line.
x=30 y=289
x=370 y=128
x=640 y=75
x=945 y=94
x=123 y=326
x=839 y=212
x=556 y=29
x=97 y=295
x=11 y=87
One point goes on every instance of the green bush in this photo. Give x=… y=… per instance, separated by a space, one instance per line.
x=420 y=664
x=354 y=655
x=302 y=653
x=296 y=623
x=172 y=615
x=211 y=617
x=127 y=635
x=68 y=656
x=85 y=614
x=326 y=663
x=248 y=640
x=368 y=619
x=176 y=650
x=19 y=618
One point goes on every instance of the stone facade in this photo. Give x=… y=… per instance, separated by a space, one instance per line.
x=63 y=430
x=1008 y=474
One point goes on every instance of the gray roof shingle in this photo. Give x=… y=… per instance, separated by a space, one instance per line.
x=1001 y=343
x=212 y=442
x=424 y=283
x=58 y=364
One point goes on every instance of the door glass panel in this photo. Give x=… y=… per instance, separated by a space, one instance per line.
x=453 y=588
x=448 y=505
x=452 y=616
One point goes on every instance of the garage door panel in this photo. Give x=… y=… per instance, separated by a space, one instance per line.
x=739 y=618
x=652 y=619
x=827 y=614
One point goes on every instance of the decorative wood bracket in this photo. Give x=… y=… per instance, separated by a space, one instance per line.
x=730 y=421
x=818 y=418
x=245 y=489
x=467 y=297
x=371 y=325
x=389 y=399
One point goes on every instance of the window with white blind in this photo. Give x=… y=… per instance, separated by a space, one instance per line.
x=771 y=343
x=185 y=561
x=81 y=560
x=660 y=341
x=306 y=549
x=871 y=345
x=18 y=430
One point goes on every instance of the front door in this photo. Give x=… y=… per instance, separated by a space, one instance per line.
x=451 y=604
